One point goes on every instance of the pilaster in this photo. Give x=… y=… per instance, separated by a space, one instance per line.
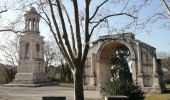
x=140 y=74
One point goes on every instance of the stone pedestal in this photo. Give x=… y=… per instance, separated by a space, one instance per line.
x=30 y=72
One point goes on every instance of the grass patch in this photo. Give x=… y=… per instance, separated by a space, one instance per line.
x=168 y=86
x=159 y=96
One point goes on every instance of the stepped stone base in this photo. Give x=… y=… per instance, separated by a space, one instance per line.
x=30 y=78
x=31 y=85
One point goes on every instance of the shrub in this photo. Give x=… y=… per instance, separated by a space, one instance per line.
x=6 y=75
x=123 y=87
x=52 y=74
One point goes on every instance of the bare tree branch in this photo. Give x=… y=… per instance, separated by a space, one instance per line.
x=166 y=6
x=3 y=11
x=78 y=36
x=10 y=30
x=59 y=43
x=103 y=19
x=97 y=8
x=87 y=36
x=65 y=34
x=71 y=29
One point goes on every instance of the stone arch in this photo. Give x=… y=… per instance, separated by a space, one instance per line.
x=103 y=57
x=121 y=42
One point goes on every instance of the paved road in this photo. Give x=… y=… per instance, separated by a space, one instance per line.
x=36 y=93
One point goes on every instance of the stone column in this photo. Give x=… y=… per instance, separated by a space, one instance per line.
x=133 y=65
x=37 y=25
x=140 y=75
x=26 y=25
x=92 y=77
x=98 y=72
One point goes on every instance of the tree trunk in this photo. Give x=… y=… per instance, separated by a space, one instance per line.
x=78 y=84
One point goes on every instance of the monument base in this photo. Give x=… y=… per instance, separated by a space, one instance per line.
x=31 y=85
x=31 y=80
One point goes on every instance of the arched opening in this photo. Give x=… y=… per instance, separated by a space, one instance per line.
x=120 y=68
x=37 y=50
x=33 y=24
x=104 y=56
x=29 y=24
x=26 y=50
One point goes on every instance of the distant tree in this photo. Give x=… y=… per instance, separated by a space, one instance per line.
x=7 y=73
x=66 y=74
x=165 y=65
x=3 y=7
x=9 y=52
x=52 y=55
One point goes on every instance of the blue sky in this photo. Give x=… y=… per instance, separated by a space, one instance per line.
x=158 y=36
x=160 y=39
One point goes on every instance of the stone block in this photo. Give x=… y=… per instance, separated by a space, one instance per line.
x=53 y=98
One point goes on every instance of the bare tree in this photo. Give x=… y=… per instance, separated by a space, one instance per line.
x=51 y=54
x=9 y=52
x=72 y=31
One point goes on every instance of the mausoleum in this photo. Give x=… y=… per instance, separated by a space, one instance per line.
x=31 y=69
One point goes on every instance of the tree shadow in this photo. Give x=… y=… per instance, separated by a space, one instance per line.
x=167 y=91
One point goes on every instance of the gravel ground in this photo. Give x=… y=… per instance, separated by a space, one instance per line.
x=36 y=93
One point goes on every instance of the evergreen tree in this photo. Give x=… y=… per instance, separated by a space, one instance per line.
x=122 y=83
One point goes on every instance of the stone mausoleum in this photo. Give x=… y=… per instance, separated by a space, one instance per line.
x=142 y=61
x=31 y=69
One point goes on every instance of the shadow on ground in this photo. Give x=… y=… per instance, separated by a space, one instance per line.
x=167 y=91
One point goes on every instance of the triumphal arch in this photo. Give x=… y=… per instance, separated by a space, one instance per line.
x=142 y=61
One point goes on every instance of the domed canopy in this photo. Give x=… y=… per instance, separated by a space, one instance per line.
x=32 y=19
x=32 y=10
